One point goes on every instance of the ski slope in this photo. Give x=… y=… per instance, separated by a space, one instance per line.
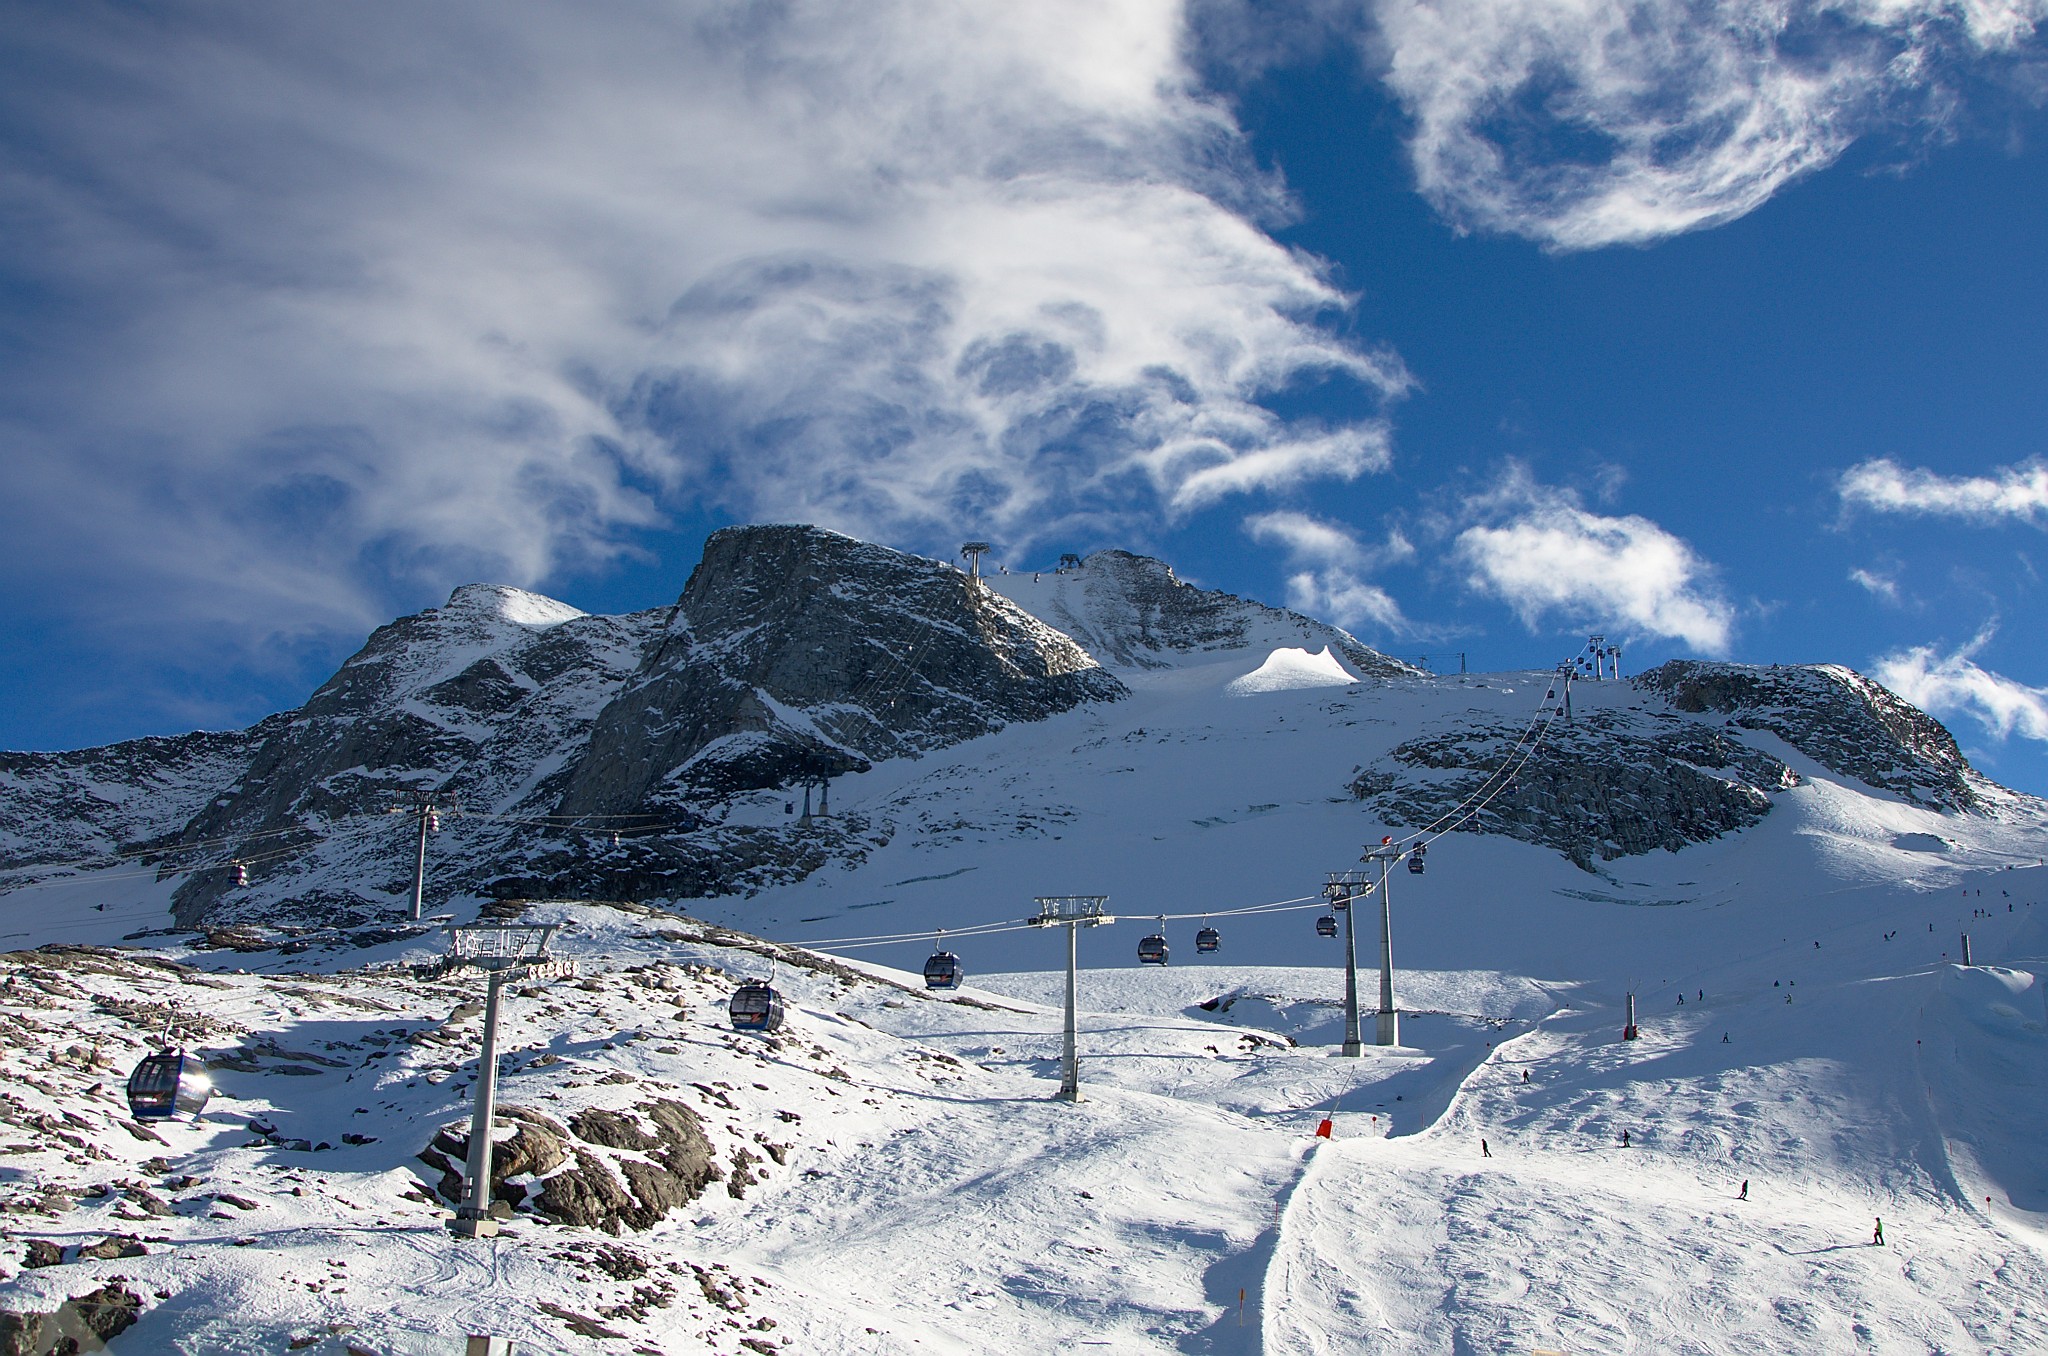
x=935 y=1199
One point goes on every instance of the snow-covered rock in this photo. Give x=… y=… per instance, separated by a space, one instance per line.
x=1131 y=612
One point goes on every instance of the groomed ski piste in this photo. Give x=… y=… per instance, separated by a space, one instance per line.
x=894 y=1175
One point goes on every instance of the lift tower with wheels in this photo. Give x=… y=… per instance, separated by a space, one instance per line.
x=1072 y=912
x=1384 y=856
x=505 y=951
x=1344 y=889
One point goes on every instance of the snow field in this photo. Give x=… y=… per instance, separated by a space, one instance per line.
x=933 y=1195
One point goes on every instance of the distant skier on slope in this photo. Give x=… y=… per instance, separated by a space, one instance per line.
x=1877 y=1234
x=1624 y=1139
x=1743 y=1194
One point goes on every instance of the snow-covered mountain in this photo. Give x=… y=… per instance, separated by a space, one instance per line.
x=1776 y=862
x=665 y=754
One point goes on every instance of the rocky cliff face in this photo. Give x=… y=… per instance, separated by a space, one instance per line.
x=481 y=702
x=1131 y=612
x=70 y=807
x=797 y=654
x=1835 y=716
x=1610 y=784
x=1620 y=781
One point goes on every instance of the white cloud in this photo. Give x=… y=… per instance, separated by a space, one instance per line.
x=1954 y=685
x=1886 y=487
x=1332 y=585
x=346 y=295
x=1582 y=123
x=1306 y=537
x=1544 y=554
x=1880 y=585
x=1341 y=597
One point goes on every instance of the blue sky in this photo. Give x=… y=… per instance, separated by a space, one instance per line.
x=1719 y=329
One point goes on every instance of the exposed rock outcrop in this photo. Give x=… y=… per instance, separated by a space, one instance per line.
x=797 y=653
x=611 y=1170
x=1835 y=716
x=84 y=1322
x=1609 y=785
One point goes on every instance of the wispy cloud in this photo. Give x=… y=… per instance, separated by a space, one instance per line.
x=342 y=296
x=1882 y=586
x=1330 y=580
x=1955 y=685
x=1544 y=554
x=1884 y=486
x=1589 y=124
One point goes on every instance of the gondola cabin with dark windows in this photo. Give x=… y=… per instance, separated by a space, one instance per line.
x=1415 y=860
x=755 y=1006
x=1326 y=926
x=1152 y=950
x=943 y=971
x=1208 y=940
x=167 y=1085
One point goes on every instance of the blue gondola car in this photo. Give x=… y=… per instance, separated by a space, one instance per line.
x=167 y=1085
x=1208 y=940
x=1152 y=950
x=1326 y=926
x=755 y=1006
x=1415 y=860
x=943 y=971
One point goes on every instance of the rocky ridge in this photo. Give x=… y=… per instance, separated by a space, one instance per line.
x=1133 y=612
x=571 y=753
x=1621 y=780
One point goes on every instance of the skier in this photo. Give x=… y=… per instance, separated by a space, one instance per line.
x=1743 y=1194
x=1525 y=1075
x=1681 y=1000
x=1624 y=1139
x=1484 y=1152
x=1724 y=1038
x=1877 y=1235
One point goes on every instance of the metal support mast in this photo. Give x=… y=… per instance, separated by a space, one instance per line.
x=1389 y=1026
x=1389 y=1031
x=1344 y=890
x=430 y=822
x=1072 y=912
x=507 y=951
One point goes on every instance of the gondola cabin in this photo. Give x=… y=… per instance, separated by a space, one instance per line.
x=755 y=1006
x=943 y=971
x=1326 y=926
x=167 y=1085
x=1208 y=940
x=1152 y=950
x=1415 y=862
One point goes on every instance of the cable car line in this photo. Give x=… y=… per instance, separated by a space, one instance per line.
x=1518 y=756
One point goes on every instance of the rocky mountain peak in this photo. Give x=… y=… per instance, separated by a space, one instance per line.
x=796 y=653
x=1133 y=612
x=503 y=603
